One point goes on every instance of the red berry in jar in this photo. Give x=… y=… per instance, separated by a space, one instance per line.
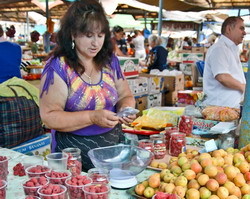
x=177 y=143
x=74 y=163
x=186 y=124
x=168 y=135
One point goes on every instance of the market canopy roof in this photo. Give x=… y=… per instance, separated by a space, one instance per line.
x=220 y=4
x=198 y=5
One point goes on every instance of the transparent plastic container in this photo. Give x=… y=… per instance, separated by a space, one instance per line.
x=74 y=162
x=37 y=171
x=3 y=186
x=75 y=186
x=4 y=160
x=58 y=177
x=99 y=175
x=31 y=185
x=96 y=190
x=46 y=193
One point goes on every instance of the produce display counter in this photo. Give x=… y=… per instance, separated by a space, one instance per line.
x=15 y=189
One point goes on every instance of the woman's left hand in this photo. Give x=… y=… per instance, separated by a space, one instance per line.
x=127 y=120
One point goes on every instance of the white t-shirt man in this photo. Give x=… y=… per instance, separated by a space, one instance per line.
x=140 y=52
x=222 y=57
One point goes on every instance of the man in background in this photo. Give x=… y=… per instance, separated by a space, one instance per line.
x=224 y=81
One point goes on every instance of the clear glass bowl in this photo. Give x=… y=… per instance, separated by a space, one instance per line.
x=123 y=161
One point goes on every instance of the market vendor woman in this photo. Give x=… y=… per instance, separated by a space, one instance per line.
x=82 y=85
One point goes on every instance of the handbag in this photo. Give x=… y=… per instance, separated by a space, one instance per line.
x=19 y=119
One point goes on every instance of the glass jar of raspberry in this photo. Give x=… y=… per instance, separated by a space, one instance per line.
x=177 y=144
x=186 y=124
x=74 y=164
x=168 y=132
x=159 y=145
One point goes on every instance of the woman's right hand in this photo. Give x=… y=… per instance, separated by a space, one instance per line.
x=104 y=118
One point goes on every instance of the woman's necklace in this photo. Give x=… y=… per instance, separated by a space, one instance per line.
x=89 y=76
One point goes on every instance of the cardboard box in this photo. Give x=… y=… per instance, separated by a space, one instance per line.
x=173 y=83
x=141 y=103
x=154 y=100
x=37 y=146
x=155 y=83
x=189 y=58
x=198 y=49
x=170 y=98
x=129 y=66
x=139 y=85
x=186 y=68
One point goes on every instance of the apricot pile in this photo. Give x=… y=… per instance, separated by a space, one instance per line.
x=220 y=174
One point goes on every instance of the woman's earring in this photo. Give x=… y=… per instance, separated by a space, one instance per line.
x=73 y=44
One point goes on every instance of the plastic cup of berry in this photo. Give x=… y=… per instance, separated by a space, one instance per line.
x=58 y=177
x=97 y=190
x=4 y=167
x=52 y=191
x=31 y=185
x=99 y=175
x=75 y=186
x=37 y=171
x=3 y=186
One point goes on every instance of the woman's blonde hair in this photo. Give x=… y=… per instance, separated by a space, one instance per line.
x=155 y=39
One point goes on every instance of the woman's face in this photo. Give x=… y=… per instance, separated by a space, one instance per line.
x=89 y=44
x=119 y=35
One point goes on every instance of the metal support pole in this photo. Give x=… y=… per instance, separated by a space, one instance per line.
x=28 y=24
x=160 y=17
x=47 y=34
x=245 y=119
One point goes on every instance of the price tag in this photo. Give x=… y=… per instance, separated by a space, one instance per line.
x=209 y=146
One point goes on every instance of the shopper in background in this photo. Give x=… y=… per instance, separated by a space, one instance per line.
x=138 y=42
x=157 y=58
x=82 y=86
x=119 y=42
x=170 y=44
x=224 y=81
x=10 y=59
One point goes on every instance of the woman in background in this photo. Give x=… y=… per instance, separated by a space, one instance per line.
x=82 y=86
x=157 y=58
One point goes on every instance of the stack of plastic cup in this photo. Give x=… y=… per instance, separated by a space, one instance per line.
x=3 y=186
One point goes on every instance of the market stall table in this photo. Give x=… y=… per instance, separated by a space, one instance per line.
x=15 y=189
